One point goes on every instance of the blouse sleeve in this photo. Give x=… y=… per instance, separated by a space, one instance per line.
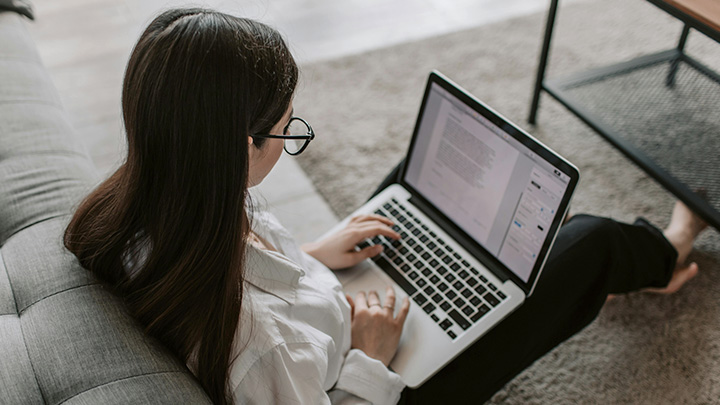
x=296 y=372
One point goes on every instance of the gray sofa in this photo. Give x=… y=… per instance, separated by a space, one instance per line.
x=63 y=337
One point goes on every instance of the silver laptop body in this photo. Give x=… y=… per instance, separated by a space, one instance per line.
x=479 y=204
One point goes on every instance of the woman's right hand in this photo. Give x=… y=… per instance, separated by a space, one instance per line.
x=375 y=330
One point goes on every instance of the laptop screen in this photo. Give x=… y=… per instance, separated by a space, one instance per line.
x=491 y=185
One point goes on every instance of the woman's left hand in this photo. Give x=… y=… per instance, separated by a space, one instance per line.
x=337 y=251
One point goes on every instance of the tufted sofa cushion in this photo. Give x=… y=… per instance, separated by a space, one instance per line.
x=64 y=338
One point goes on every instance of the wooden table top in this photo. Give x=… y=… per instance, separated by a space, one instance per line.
x=706 y=11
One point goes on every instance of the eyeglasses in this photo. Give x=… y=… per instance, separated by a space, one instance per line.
x=297 y=135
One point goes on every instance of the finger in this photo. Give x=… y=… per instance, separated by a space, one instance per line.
x=373 y=299
x=370 y=251
x=360 y=300
x=389 y=298
x=404 y=309
x=370 y=230
x=375 y=217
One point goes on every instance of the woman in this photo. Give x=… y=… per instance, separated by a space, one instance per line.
x=207 y=106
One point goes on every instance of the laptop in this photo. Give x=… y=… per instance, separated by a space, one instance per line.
x=478 y=205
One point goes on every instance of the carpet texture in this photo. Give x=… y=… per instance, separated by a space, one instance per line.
x=643 y=349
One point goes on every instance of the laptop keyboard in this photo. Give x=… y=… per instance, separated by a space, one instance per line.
x=433 y=274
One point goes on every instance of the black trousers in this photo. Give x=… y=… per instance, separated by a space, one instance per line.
x=592 y=257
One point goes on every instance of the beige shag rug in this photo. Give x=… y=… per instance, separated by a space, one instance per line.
x=643 y=349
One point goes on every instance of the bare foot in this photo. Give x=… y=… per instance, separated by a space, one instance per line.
x=681 y=275
x=684 y=228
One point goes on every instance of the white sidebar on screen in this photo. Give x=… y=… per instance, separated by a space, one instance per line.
x=466 y=169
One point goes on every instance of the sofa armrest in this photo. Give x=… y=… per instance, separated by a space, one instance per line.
x=45 y=170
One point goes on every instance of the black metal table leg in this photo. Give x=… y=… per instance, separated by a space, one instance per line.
x=543 y=61
x=670 y=81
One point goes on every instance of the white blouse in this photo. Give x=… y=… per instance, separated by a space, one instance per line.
x=293 y=341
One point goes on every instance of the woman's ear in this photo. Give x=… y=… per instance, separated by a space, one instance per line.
x=250 y=140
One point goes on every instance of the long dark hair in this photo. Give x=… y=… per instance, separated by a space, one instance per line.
x=197 y=84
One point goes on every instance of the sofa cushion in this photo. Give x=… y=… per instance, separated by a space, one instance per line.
x=81 y=341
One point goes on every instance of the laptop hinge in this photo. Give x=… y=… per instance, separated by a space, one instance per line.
x=466 y=242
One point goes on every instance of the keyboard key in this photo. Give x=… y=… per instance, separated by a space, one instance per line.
x=442 y=287
x=431 y=245
x=458 y=285
x=464 y=274
x=450 y=277
x=424 y=227
x=396 y=243
x=442 y=270
x=411 y=242
x=434 y=263
x=484 y=309
x=501 y=295
x=472 y=281
x=439 y=252
x=455 y=266
x=413 y=275
x=483 y=279
x=429 y=308
x=466 y=293
x=475 y=301
x=474 y=271
x=427 y=272
x=403 y=250
x=396 y=276
x=423 y=238
x=420 y=299
x=434 y=317
x=491 y=299
x=434 y=279
x=441 y=242
x=398 y=260
x=445 y=324
x=429 y=291
x=451 y=294
x=418 y=248
x=403 y=235
x=437 y=297
x=421 y=283
x=377 y=240
x=401 y=219
x=405 y=268
x=492 y=286
x=387 y=206
x=449 y=249
x=447 y=259
x=480 y=289
x=418 y=265
x=468 y=310
x=451 y=334
x=433 y=234
x=457 y=256
x=445 y=305
x=411 y=257
x=459 y=302
x=426 y=256
x=416 y=232
x=390 y=253
x=465 y=263
x=459 y=319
